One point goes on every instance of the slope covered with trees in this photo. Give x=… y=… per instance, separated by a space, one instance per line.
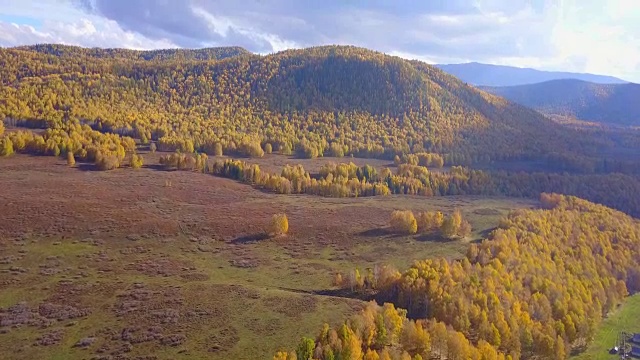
x=368 y=103
x=536 y=288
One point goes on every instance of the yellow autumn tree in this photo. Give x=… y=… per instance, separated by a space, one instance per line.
x=429 y=221
x=455 y=226
x=6 y=147
x=404 y=222
x=71 y=160
x=279 y=225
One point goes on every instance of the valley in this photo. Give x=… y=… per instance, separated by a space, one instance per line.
x=425 y=218
x=118 y=253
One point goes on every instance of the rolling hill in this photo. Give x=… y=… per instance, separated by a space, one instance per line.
x=604 y=103
x=370 y=103
x=66 y=51
x=497 y=75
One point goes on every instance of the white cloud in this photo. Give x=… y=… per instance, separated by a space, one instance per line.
x=570 y=35
x=226 y=27
x=81 y=32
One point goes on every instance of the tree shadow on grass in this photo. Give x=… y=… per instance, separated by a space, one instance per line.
x=86 y=167
x=159 y=167
x=485 y=234
x=248 y=239
x=433 y=237
x=381 y=232
x=339 y=292
x=376 y=232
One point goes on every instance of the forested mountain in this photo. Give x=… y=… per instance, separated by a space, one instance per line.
x=365 y=102
x=605 y=103
x=497 y=75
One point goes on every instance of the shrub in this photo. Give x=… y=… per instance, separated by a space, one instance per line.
x=285 y=149
x=448 y=228
x=404 y=222
x=279 y=225
x=268 y=149
x=217 y=149
x=550 y=201
x=465 y=229
x=136 y=161
x=336 y=150
x=251 y=149
x=153 y=147
x=107 y=162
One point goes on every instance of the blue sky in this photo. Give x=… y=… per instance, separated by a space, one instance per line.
x=596 y=36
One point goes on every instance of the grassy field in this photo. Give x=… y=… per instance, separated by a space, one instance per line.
x=127 y=263
x=626 y=318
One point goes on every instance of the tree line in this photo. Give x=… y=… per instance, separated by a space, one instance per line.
x=449 y=227
x=350 y=180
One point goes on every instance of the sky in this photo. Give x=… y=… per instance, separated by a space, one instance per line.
x=594 y=36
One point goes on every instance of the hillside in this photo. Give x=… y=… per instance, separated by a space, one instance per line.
x=540 y=267
x=604 y=103
x=498 y=75
x=368 y=103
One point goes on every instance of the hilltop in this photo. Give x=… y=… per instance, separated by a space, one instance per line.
x=68 y=51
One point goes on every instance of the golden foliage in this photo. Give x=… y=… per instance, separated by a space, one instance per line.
x=385 y=332
x=6 y=147
x=345 y=101
x=136 y=161
x=71 y=160
x=403 y=222
x=429 y=221
x=523 y=290
x=279 y=225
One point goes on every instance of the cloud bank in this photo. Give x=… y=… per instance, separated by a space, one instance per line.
x=571 y=35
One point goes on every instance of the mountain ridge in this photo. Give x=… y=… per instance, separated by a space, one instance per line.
x=481 y=74
x=209 y=53
x=604 y=103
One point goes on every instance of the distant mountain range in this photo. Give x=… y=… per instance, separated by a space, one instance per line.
x=605 y=103
x=496 y=75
